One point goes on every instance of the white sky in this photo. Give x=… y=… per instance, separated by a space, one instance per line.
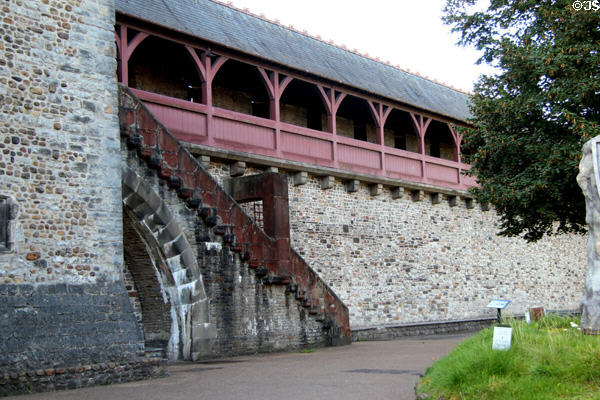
x=407 y=33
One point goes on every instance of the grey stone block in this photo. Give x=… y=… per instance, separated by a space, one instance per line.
x=204 y=161
x=326 y=182
x=376 y=189
x=149 y=195
x=452 y=200
x=169 y=233
x=436 y=198
x=163 y=216
x=352 y=186
x=238 y=168
x=300 y=178
x=417 y=195
x=188 y=258
x=129 y=178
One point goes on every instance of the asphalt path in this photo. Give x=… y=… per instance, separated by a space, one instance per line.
x=363 y=370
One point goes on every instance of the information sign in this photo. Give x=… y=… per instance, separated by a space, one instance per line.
x=502 y=338
x=501 y=304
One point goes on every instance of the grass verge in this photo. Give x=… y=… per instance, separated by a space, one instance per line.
x=549 y=359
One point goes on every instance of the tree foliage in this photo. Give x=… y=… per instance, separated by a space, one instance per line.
x=531 y=118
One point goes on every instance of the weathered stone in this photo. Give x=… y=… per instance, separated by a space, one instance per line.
x=417 y=195
x=588 y=177
x=327 y=182
x=238 y=168
x=452 y=200
x=408 y=253
x=300 y=178
x=204 y=161
x=352 y=185
x=469 y=203
x=397 y=192
x=376 y=189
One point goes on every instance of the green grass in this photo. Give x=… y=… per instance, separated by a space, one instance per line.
x=544 y=362
x=306 y=351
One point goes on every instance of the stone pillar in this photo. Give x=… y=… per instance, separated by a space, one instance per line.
x=272 y=189
x=588 y=181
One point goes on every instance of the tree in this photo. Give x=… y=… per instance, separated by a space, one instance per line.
x=531 y=119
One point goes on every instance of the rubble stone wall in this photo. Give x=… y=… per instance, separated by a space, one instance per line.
x=397 y=261
x=62 y=300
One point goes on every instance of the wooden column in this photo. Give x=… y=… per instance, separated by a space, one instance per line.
x=380 y=114
x=275 y=86
x=207 y=68
x=126 y=48
x=421 y=123
x=457 y=141
x=332 y=100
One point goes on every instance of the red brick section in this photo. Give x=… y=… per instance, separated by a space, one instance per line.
x=272 y=258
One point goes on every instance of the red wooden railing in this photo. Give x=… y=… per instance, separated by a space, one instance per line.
x=225 y=129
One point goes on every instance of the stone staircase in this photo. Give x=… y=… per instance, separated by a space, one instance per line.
x=273 y=260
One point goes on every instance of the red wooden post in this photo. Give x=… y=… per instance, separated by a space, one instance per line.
x=207 y=69
x=332 y=100
x=126 y=49
x=422 y=124
x=275 y=87
x=380 y=113
x=457 y=140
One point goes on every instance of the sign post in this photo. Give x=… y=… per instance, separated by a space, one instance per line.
x=499 y=305
x=502 y=334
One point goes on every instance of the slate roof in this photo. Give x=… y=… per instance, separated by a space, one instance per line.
x=240 y=31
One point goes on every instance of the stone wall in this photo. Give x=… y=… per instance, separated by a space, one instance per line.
x=399 y=261
x=231 y=288
x=62 y=301
x=246 y=313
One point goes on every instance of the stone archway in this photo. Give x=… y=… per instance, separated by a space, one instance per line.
x=176 y=266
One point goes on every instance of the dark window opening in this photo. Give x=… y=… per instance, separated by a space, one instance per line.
x=360 y=131
x=439 y=141
x=434 y=147
x=239 y=87
x=164 y=67
x=301 y=105
x=399 y=141
x=314 y=119
x=354 y=120
x=400 y=132
x=260 y=108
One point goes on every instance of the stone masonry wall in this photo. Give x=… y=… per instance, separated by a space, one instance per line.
x=397 y=261
x=62 y=303
x=249 y=315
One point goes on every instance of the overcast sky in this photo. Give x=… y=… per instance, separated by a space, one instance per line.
x=407 y=33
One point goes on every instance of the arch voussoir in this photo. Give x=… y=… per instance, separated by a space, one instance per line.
x=181 y=280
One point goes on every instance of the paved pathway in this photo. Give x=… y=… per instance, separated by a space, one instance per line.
x=364 y=370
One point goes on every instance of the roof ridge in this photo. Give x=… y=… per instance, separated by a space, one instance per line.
x=330 y=42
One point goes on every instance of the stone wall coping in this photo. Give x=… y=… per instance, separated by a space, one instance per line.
x=231 y=155
x=418 y=324
x=455 y=321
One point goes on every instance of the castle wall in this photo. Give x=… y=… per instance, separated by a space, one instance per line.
x=397 y=261
x=246 y=312
x=62 y=301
